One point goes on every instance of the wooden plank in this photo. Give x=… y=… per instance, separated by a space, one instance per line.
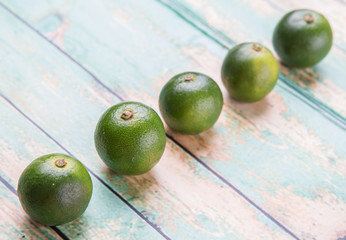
x=106 y=217
x=14 y=224
x=179 y=195
x=231 y=22
x=279 y=141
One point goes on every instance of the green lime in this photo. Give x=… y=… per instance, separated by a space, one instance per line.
x=302 y=38
x=55 y=189
x=190 y=102
x=249 y=72
x=130 y=138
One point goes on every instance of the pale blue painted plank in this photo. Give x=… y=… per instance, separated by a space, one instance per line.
x=179 y=195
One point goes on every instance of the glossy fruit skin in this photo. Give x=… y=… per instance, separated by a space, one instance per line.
x=249 y=74
x=300 y=43
x=132 y=146
x=54 y=195
x=190 y=106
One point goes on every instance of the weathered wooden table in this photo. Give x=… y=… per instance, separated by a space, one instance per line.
x=274 y=169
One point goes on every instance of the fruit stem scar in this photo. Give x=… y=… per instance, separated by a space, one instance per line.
x=189 y=77
x=60 y=163
x=127 y=114
x=309 y=18
x=256 y=47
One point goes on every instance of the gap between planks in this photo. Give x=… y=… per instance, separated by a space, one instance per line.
x=324 y=110
x=170 y=137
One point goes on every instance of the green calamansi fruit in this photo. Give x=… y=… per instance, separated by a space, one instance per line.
x=302 y=38
x=249 y=72
x=190 y=102
x=130 y=138
x=55 y=189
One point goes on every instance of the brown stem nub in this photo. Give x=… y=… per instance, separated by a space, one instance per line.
x=256 y=47
x=189 y=77
x=309 y=18
x=127 y=115
x=60 y=163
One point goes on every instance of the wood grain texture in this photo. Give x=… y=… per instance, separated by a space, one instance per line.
x=231 y=22
x=276 y=151
x=106 y=217
x=179 y=195
x=14 y=224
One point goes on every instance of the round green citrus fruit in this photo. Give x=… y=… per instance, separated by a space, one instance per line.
x=54 y=189
x=249 y=72
x=190 y=102
x=130 y=138
x=302 y=38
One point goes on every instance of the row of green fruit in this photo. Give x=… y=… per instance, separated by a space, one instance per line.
x=130 y=137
